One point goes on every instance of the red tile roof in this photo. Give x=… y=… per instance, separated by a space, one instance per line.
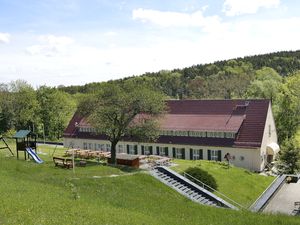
x=245 y=117
x=192 y=122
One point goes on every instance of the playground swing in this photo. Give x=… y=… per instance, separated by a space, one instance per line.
x=6 y=145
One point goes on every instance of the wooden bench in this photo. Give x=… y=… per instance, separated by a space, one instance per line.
x=63 y=162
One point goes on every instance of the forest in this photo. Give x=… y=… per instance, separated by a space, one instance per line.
x=275 y=76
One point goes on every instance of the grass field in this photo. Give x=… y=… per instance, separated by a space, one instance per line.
x=238 y=184
x=43 y=194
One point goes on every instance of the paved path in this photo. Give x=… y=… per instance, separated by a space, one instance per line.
x=284 y=199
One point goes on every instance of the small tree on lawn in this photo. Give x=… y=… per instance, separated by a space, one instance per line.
x=125 y=110
x=289 y=157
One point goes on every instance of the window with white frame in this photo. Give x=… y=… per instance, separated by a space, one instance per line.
x=210 y=134
x=162 y=151
x=108 y=147
x=90 y=146
x=214 y=155
x=131 y=149
x=178 y=153
x=85 y=145
x=121 y=149
x=218 y=134
x=147 y=150
x=230 y=135
x=102 y=147
x=197 y=154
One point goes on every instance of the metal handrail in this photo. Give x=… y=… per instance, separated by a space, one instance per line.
x=250 y=207
x=214 y=190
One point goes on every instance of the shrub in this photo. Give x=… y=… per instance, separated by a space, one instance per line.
x=201 y=175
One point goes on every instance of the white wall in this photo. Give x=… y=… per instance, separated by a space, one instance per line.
x=252 y=157
x=268 y=138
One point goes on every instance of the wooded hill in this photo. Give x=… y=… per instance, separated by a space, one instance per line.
x=200 y=81
x=274 y=76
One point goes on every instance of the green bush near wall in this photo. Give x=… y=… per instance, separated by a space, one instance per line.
x=202 y=176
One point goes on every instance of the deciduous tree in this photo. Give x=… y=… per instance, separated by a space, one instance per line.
x=124 y=110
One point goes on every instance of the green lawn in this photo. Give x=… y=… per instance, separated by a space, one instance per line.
x=43 y=194
x=238 y=184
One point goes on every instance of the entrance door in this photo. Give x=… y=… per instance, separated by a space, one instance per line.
x=269 y=158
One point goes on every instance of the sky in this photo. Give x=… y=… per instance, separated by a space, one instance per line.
x=74 y=42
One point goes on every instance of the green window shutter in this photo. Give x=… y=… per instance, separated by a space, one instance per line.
x=143 y=151
x=157 y=150
x=174 y=153
x=151 y=150
x=135 y=150
x=219 y=155
x=183 y=153
x=201 y=153
x=127 y=149
x=191 y=154
x=167 y=151
x=208 y=154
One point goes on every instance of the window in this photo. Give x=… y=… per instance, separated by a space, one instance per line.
x=84 y=145
x=131 y=149
x=179 y=153
x=214 y=155
x=163 y=151
x=121 y=149
x=90 y=146
x=269 y=130
x=197 y=154
x=147 y=150
x=101 y=147
x=229 y=135
x=210 y=134
x=218 y=134
x=108 y=147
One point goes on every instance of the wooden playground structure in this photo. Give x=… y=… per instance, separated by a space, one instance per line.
x=5 y=145
x=25 y=139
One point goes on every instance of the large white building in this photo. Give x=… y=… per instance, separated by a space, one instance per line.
x=198 y=129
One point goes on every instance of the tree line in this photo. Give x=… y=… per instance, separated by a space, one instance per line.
x=273 y=76
x=46 y=110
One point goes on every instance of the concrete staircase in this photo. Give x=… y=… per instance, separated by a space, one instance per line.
x=187 y=188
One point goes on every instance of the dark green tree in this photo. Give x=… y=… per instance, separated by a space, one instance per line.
x=288 y=115
x=267 y=84
x=7 y=112
x=289 y=157
x=25 y=105
x=56 y=109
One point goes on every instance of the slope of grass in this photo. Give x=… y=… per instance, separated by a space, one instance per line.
x=238 y=184
x=43 y=194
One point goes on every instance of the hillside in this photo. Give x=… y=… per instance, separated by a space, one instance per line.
x=284 y=63
x=48 y=110
x=43 y=194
